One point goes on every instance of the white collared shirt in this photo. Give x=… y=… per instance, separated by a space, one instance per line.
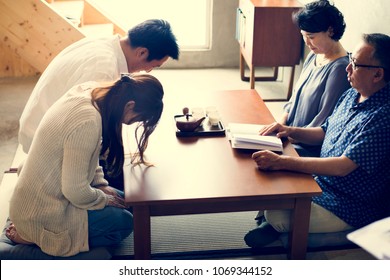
x=94 y=59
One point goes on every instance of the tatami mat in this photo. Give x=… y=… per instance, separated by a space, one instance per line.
x=196 y=233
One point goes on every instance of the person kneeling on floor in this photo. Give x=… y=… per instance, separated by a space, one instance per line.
x=61 y=202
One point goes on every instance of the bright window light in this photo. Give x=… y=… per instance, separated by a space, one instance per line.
x=190 y=19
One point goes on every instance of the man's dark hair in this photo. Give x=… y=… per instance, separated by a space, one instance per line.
x=156 y=35
x=319 y=16
x=381 y=44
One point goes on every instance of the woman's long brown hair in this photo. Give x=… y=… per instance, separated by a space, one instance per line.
x=147 y=93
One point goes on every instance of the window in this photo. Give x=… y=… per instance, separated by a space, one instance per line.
x=190 y=19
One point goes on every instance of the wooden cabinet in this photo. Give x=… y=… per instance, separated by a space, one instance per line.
x=268 y=37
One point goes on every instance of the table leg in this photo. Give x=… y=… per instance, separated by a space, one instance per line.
x=142 y=233
x=242 y=68
x=299 y=228
x=252 y=77
x=291 y=83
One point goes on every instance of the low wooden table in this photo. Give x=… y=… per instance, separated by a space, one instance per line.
x=194 y=175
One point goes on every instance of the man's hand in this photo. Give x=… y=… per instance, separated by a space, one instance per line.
x=267 y=160
x=330 y=166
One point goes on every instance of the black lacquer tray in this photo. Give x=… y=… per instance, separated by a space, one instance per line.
x=204 y=130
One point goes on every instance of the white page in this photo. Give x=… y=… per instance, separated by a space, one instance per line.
x=252 y=146
x=244 y=128
x=374 y=238
x=258 y=139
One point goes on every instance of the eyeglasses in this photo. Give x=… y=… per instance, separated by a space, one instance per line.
x=356 y=66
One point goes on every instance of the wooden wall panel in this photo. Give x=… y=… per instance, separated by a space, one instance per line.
x=33 y=31
x=12 y=65
x=93 y=15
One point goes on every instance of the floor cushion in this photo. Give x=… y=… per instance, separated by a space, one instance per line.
x=13 y=251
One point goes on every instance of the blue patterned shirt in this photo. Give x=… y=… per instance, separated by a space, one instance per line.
x=361 y=132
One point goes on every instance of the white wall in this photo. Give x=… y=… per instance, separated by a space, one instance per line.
x=362 y=16
x=224 y=50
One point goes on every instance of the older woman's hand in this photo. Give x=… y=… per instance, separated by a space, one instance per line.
x=280 y=130
x=275 y=128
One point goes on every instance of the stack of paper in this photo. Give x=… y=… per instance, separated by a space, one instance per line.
x=246 y=136
x=374 y=238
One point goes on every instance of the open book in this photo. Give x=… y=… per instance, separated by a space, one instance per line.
x=246 y=136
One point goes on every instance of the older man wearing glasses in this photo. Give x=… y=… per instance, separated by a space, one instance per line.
x=353 y=168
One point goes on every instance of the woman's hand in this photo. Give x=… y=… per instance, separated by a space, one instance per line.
x=276 y=128
x=109 y=190
x=114 y=198
x=115 y=201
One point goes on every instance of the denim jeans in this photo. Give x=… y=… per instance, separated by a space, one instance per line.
x=109 y=226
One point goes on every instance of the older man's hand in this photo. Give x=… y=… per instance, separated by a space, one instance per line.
x=267 y=160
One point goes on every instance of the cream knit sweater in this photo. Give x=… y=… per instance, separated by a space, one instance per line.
x=56 y=185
